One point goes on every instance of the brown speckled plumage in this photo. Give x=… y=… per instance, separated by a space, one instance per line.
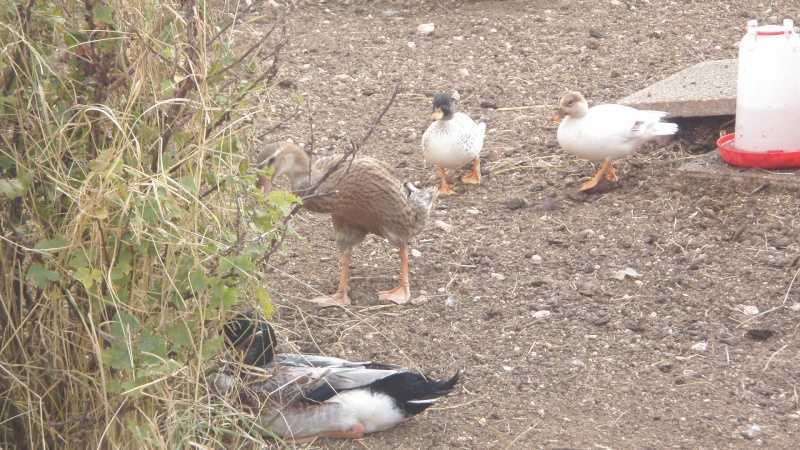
x=366 y=195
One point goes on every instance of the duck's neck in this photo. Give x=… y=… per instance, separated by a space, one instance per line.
x=581 y=109
x=296 y=165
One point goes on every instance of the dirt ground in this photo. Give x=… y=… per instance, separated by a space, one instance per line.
x=525 y=291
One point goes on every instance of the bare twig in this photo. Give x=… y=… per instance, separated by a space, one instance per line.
x=766 y=366
x=247 y=53
x=233 y=21
x=782 y=305
x=279 y=124
x=310 y=128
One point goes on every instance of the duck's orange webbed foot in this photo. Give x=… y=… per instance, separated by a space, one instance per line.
x=445 y=189
x=338 y=298
x=473 y=177
x=399 y=295
x=607 y=170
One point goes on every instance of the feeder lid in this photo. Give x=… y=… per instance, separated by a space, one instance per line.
x=771 y=30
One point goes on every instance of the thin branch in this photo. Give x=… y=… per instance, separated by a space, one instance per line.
x=279 y=124
x=247 y=53
x=233 y=21
x=310 y=128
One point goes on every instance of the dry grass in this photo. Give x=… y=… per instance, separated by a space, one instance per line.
x=127 y=217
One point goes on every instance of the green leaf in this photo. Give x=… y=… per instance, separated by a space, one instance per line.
x=188 y=184
x=282 y=201
x=89 y=277
x=134 y=387
x=262 y=297
x=198 y=280
x=11 y=189
x=124 y=325
x=152 y=343
x=113 y=386
x=244 y=265
x=142 y=432
x=41 y=276
x=104 y=14
x=162 y=368
x=179 y=333
x=82 y=258
x=118 y=356
x=222 y=296
x=52 y=245
x=101 y=163
x=211 y=348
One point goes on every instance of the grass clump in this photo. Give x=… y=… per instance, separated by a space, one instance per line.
x=127 y=216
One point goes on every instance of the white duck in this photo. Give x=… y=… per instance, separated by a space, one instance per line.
x=452 y=141
x=605 y=132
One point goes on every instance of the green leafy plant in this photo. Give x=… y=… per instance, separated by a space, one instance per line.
x=129 y=224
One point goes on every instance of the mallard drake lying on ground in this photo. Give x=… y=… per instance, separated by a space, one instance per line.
x=605 y=132
x=453 y=140
x=304 y=397
x=364 y=196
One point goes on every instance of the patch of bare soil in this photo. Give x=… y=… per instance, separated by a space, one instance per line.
x=527 y=292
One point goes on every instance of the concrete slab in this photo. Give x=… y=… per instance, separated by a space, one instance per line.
x=712 y=167
x=705 y=89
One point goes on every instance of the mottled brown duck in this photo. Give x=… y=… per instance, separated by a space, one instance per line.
x=364 y=196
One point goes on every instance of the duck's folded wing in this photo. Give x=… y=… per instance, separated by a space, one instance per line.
x=293 y=360
x=344 y=380
x=623 y=121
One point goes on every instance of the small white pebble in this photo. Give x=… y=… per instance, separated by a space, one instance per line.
x=444 y=226
x=498 y=276
x=795 y=307
x=541 y=314
x=411 y=44
x=416 y=253
x=750 y=310
x=426 y=29
x=700 y=347
x=421 y=300
x=752 y=432
x=536 y=258
x=473 y=211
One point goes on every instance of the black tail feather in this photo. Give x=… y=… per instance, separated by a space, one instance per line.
x=413 y=392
